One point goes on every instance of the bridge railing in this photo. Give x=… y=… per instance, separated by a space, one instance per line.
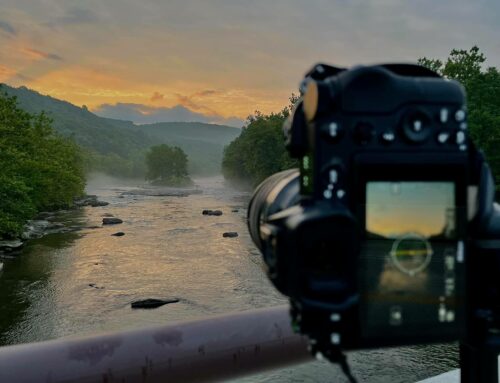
x=212 y=349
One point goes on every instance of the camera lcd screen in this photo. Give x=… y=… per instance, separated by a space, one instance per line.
x=408 y=261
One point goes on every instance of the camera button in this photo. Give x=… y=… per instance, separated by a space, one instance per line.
x=388 y=136
x=460 y=138
x=333 y=175
x=460 y=115
x=335 y=338
x=443 y=115
x=333 y=131
x=443 y=137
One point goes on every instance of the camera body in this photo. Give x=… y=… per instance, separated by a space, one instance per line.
x=384 y=234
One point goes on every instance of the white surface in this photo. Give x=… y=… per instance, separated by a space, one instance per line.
x=448 y=377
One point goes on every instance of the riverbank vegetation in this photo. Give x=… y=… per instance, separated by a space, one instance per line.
x=167 y=166
x=39 y=169
x=259 y=150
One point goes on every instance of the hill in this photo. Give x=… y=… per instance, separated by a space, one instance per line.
x=118 y=147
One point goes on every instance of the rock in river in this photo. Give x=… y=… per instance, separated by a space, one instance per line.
x=152 y=303
x=230 y=234
x=12 y=245
x=89 y=200
x=111 y=221
x=212 y=212
x=119 y=234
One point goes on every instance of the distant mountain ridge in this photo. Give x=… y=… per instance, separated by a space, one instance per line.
x=203 y=143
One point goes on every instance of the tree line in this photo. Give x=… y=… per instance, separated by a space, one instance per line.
x=259 y=151
x=39 y=169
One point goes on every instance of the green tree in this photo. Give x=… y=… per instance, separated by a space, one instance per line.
x=259 y=150
x=483 y=98
x=167 y=165
x=40 y=169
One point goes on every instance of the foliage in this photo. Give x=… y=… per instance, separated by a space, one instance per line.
x=259 y=151
x=167 y=165
x=40 y=169
x=483 y=98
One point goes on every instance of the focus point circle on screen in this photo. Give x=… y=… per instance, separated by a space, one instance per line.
x=411 y=253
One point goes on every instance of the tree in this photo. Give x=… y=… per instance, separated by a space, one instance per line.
x=483 y=98
x=259 y=150
x=40 y=170
x=167 y=165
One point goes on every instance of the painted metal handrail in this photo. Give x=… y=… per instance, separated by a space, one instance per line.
x=211 y=349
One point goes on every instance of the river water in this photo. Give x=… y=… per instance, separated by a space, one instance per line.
x=81 y=283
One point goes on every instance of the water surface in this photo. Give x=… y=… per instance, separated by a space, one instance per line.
x=80 y=283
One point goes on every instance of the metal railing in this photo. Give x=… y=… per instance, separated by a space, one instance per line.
x=211 y=349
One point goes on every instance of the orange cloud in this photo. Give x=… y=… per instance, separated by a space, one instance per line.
x=6 y=73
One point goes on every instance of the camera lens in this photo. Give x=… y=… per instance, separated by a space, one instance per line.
x=276 y=193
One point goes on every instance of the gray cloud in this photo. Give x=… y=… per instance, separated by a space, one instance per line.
x=144 y=114
x=7 y=28
x=43 y=55
x=77 y=15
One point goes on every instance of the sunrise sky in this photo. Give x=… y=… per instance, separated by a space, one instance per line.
x=395 y=209
x=219 y=60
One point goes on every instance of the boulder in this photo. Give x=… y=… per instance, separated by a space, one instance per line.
x=119 y=234
x=99 y=203
x=152 y=303
x=111 y=221
x=230 y=234
x=11 y=245
x=89 y=200
x=35 y=229
x=212 y=212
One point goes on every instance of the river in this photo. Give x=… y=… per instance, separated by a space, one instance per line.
x=66 y=285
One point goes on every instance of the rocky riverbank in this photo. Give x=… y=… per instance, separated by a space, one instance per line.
x=45 y=223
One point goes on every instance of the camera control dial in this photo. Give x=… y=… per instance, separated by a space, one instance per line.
x=417 y=126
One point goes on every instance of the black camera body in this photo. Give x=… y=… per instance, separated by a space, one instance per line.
x=384 y=235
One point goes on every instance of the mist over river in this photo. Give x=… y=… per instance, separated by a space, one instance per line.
x=83 y=282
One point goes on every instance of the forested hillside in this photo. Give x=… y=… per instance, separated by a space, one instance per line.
x=119 y=147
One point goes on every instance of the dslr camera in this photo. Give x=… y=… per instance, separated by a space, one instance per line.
x=388 y=233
